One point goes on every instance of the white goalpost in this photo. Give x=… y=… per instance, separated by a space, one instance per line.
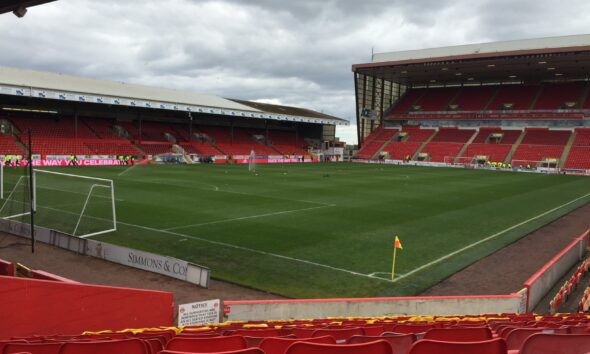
x=251 y=161
x=81 y=206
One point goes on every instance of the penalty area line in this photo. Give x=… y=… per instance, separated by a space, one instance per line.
x=229 y=245
x=245 y=218
x=491 y=237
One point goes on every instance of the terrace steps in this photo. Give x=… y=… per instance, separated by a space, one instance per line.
x=584 y=96
x=514 y=147
x=424 y=144
x=538 y=94
x=466 y=145
x=492 y=98
x=566 y=149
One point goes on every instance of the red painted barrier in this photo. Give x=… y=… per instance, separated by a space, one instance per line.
x=41 y=275
x=549 y=265
x=6 y=268
x=31 y=306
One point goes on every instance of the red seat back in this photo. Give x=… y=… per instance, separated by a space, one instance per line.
x=266 y=332
x=376 y=347
x=240 y=351
x=207 y=344
x=543 y=343
x=427 y=346
x=127 y=346
x=516 y=337
x=33 y=348
x=459 y=334
x=341 y=334
x=300 y=332
x=399 y=344
x=412 y=328
x=277 y=345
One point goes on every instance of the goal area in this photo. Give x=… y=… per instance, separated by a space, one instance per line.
x=77 y=205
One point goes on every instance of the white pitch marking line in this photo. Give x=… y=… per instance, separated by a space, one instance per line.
x=229 y=245
x=414 y=271
x=126 y=170
x=245 y=217
x=217 y=189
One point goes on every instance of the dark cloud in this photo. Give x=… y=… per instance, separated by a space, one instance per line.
x=291 y=52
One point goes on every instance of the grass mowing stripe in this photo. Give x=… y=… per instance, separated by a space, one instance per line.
x=246 y=217
x=231 y=246
x=414 y=271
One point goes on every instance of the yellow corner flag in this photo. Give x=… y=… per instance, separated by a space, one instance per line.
x=396 y=244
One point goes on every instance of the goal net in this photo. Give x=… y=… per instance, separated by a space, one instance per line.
x=77 y=205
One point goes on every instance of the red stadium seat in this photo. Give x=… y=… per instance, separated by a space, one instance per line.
x=556 y=344
x=265 y=332
x=33 y=348
x=376 y=347
x=400 y=344
x=207 y=345
x=412 y=328
x=464 y=334
x=516 y=337
x=127 y=346
x=240 y=351
x=276 y=345
x=426 y=346
x=340 y=334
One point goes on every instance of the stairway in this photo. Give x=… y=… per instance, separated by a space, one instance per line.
x=424 y=144
x=491 y=99
x=566 y=149
x=466 y=145
x=514 y=147
x=536 y=98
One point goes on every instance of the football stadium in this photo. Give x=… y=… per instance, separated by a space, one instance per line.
x=141 y=219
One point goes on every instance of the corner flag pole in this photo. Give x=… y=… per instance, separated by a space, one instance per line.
x=393 y=266
x=396 y=244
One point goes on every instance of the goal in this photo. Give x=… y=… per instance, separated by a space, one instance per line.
x=77 y=205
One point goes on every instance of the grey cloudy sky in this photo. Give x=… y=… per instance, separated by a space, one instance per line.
x=296 y=52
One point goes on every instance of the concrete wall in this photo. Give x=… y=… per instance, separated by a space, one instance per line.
x=539 y=284
x=320 y=308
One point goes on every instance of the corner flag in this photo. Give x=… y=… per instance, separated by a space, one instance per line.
x=396 y=244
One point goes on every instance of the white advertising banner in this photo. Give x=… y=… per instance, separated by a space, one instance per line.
x=199 y=313
x=172 y=267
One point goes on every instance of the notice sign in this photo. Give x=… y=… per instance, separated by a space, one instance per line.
x=199 y=313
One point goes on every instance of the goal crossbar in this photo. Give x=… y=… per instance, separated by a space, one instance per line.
x=106 y=184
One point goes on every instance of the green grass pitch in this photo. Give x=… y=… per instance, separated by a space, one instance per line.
x=323 y=230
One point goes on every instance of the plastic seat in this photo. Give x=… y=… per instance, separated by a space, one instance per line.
x=373 y=330
x=459 y=334
x=127 y=346
x=207 y=344
x=303 y=332
x=400 y=344
x=266 y=332
x=278 y=345
x=376 y=347
x=340 y=334
x=412 y=328
x=427 y=346
x=240 y=351
x=33 y=348
x=4 y=342
x=517 y=336
x=155 y=344
x=254 y=342
x=542 y=343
